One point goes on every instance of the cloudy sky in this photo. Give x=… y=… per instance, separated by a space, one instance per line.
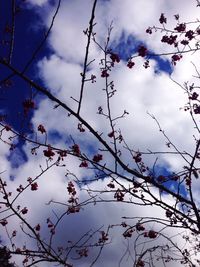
x=139 y=91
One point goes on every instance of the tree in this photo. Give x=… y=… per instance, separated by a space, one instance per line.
x=5 y=256
x=81 y=155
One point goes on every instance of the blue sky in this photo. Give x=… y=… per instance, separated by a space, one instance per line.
x=139 y=91
x=126 y=46
x=21 y=55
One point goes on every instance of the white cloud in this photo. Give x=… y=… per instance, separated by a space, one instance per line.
x=39 y=3
x=138 y=91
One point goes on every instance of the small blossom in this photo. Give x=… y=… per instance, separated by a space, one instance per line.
x=168 y=213
x=104 y=74
x=188 y=181
x=146 y=234
x=165 y=39
x=176 y=58
x=120 y=137
x=72 y=199
x=114 y=58
x=62 y=154
x=142 y=51
x=137 y=157
x=73 y=209
x=196 y=109
x=71 y=189
x=34 y=186
x=104 y=237
x=37 y=227
x=149 y=30
x=161 y=179
x=24 y=210
x=111 y=185
x=93 y=78
x=140 y=227
x=162 y=19
x=48 y=153
x=130 y=64
x=84 y=164
x=83 y=252
x=189 y=34
x=7 y=195
x=53 y=231
x=18 y=250
x=76 y=149
x=41 y=129
x=28 y=104
x=169 y=39
x=180 y=28
x=119 y=195
x=100 y=110
x=29 y=179
x=3 y=222
x=14 y=233
x=20 y=188
x=111 y=134
x=7 y=128
x=97 y=158
x=140 y=263
x=128 y=233
x=176 y=17
x=152 y=234
x=123 y=224
x=194 y=96
x=146 y=64
x=80 y=128
x=136 y=184
x=184 y=42
x=25 y=260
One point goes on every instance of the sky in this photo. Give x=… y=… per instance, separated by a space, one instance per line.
x=139 y=91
